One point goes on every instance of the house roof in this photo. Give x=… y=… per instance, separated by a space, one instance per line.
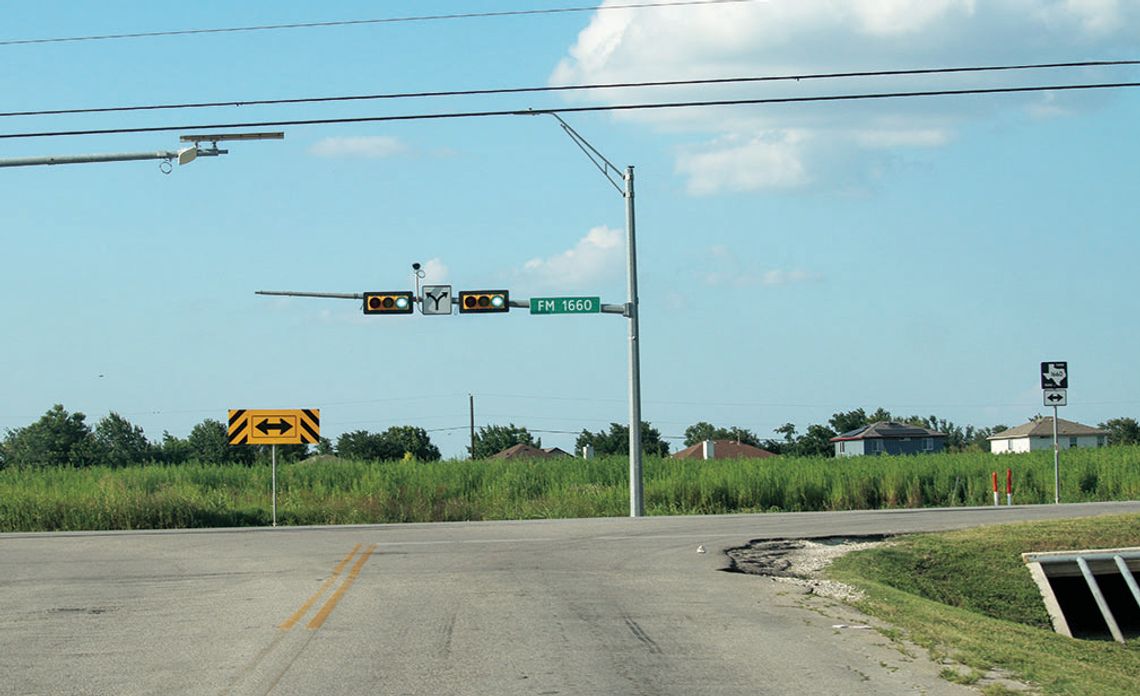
x=1043 y=427
x=521 y=451
x=556 y=452
x=724 y=449
x=887 y=430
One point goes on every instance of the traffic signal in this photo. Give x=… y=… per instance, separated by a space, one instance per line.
x=479 y=301
x=396 y=302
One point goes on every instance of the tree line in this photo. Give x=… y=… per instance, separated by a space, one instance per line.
x=60 y=438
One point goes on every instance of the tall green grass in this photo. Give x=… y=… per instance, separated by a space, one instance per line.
x=332 y=491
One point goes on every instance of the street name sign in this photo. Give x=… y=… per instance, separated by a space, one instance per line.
x=437 y=299
x=1055 y=375
x=565 y=305
x=1056 y=397
x=289 y=426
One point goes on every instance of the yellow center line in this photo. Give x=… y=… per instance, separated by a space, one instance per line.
x=331 y=603
x=297 y=615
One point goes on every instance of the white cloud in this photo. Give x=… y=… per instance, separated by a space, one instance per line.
x=894 y=17
x=597 y=259
x=728 y=271
x=779 y=147
x=771 y=159
x=361 y=147
x=435 y=272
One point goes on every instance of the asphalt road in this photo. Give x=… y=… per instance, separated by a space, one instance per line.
x=600 y=606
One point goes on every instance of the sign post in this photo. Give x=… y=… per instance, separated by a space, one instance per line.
x=294 y=426
x=1055 y=390
x=273 y=486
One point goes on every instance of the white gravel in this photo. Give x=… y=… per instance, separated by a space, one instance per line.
x=800 y=563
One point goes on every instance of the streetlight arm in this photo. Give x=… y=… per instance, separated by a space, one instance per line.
x=167 y=155
x=599 y=160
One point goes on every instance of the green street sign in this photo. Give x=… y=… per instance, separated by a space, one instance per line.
x=565 y=305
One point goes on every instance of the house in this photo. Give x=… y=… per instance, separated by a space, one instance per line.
x=524 y=451
x=1037 y=434
x=888 y=437
x=520 y=451
x=722 y=449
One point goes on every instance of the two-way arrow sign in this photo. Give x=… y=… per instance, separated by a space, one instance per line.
x=282 y=426
x=274 y=426
x=1056 y=397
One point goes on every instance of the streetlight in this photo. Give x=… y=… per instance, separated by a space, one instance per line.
x=625 y=188
x=184 y=155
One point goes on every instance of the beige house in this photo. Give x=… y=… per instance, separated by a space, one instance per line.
x=1038 y=435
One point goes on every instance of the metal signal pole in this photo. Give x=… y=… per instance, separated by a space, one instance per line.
x=625 y=188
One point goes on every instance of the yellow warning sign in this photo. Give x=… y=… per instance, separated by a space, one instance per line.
x=282 y=426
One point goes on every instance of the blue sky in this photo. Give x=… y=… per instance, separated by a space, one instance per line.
x=795 y=260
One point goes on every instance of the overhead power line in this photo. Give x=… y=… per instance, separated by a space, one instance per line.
x=575 y=109
x=359 y=22
x=578 y=87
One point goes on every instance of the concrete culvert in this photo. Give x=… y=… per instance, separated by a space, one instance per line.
x=1091 y=593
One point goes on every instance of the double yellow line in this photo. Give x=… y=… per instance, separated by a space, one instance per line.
x=331 y=602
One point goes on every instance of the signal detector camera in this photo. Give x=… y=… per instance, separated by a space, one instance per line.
x=415 y=266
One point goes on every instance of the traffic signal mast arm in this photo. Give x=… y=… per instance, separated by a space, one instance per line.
x=519 y=304
x=334 y=295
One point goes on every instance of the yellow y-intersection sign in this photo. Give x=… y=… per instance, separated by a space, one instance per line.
x=282 y=426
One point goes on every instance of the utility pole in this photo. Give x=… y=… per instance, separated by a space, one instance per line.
x=471 y=404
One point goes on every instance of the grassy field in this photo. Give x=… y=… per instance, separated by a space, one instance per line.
x=968 y=597
x=332 y=491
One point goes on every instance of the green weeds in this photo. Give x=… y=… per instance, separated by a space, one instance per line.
x=333 y=491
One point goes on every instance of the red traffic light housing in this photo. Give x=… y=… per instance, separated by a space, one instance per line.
x=398 y=302
x=484 y=301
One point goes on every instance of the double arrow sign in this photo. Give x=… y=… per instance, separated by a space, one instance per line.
x=274 y=426
x=266 y=426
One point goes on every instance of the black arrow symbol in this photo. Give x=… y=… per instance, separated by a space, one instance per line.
x=282 y=426
x=1055 y=397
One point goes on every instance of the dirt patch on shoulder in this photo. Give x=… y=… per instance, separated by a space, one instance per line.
x=800 y=562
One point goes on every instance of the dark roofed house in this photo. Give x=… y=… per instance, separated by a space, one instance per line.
x=888 y=437
x=722 y=449
x=521 y=451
